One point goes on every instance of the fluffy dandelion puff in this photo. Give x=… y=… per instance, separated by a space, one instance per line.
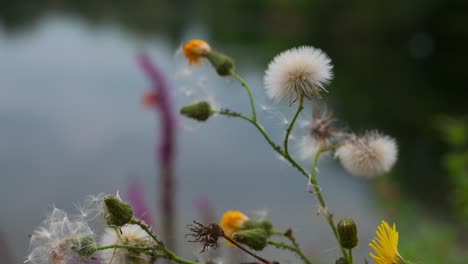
x=371 y=155
x=58 y=238
x=131 y=235
x=297 y=72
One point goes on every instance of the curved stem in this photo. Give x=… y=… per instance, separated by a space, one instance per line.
x=291 y=248
x=291 y=125
x=260 y=128
x=249 y=91
x=314 y=182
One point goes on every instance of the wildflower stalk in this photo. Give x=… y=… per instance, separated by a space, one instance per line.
x=284 y=152
x=291 y=125
x=166 y=148
x=294 y=249
x=350 y=256
x=314 y=182
x=166 y=252
x=249 y=91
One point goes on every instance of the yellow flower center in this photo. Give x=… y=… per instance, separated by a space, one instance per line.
x=194 y=50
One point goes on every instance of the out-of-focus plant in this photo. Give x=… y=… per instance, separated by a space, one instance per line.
x=454 y=132
x=159 y=98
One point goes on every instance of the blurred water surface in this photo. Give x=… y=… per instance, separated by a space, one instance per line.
x=72 y=125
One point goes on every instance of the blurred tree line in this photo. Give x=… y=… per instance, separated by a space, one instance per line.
x=398 y=64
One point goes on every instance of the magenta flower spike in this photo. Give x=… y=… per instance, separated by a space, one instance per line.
x=166 y=148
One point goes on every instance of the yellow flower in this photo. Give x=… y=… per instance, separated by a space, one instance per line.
x=194 y=50
x=385 y=245
x=232 y=222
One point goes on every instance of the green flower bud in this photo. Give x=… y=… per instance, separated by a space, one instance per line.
x=84 y=246
x=118 y=212
x=223 y=64
x=255 y=239
x=347 y=231
x=267 y=226
x=200 y=111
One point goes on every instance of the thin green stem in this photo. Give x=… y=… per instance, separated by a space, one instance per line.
x=260 y=128
x=314 y=182
x=166 y=253
x=291 y=125
x=249 y=91
x=136 y=248
x=294 y=249
x=350 y=256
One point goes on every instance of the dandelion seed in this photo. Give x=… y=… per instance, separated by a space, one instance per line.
x=59 y=239
x=370 y=155
x=298 y=72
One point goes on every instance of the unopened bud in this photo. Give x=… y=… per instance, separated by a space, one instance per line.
x=200 y=111
x=255 y=239
x=267 y=226
x=223 y=64
x=118 y=212
x=347 y=231
x=84 y=246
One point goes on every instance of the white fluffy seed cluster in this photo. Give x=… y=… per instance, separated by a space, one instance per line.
x=52 y=242
x=297 y=72
x=132 y=235
x=370 y=155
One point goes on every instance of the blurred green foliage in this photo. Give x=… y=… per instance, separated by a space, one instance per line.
x=455 y=133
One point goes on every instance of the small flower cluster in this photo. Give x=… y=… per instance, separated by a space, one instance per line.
x=298 y=74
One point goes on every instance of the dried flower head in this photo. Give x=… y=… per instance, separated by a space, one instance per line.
x=370 y=155
x=321 y=126
x=298 y=72
x=132 y=235
x=59 y=240
x=194 y=50
x=207 y=235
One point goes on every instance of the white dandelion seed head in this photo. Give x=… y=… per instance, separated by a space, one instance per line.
x=308 y=148
x=52 y=241
x=370 y=155
x=302 y=71
x=132 y=235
